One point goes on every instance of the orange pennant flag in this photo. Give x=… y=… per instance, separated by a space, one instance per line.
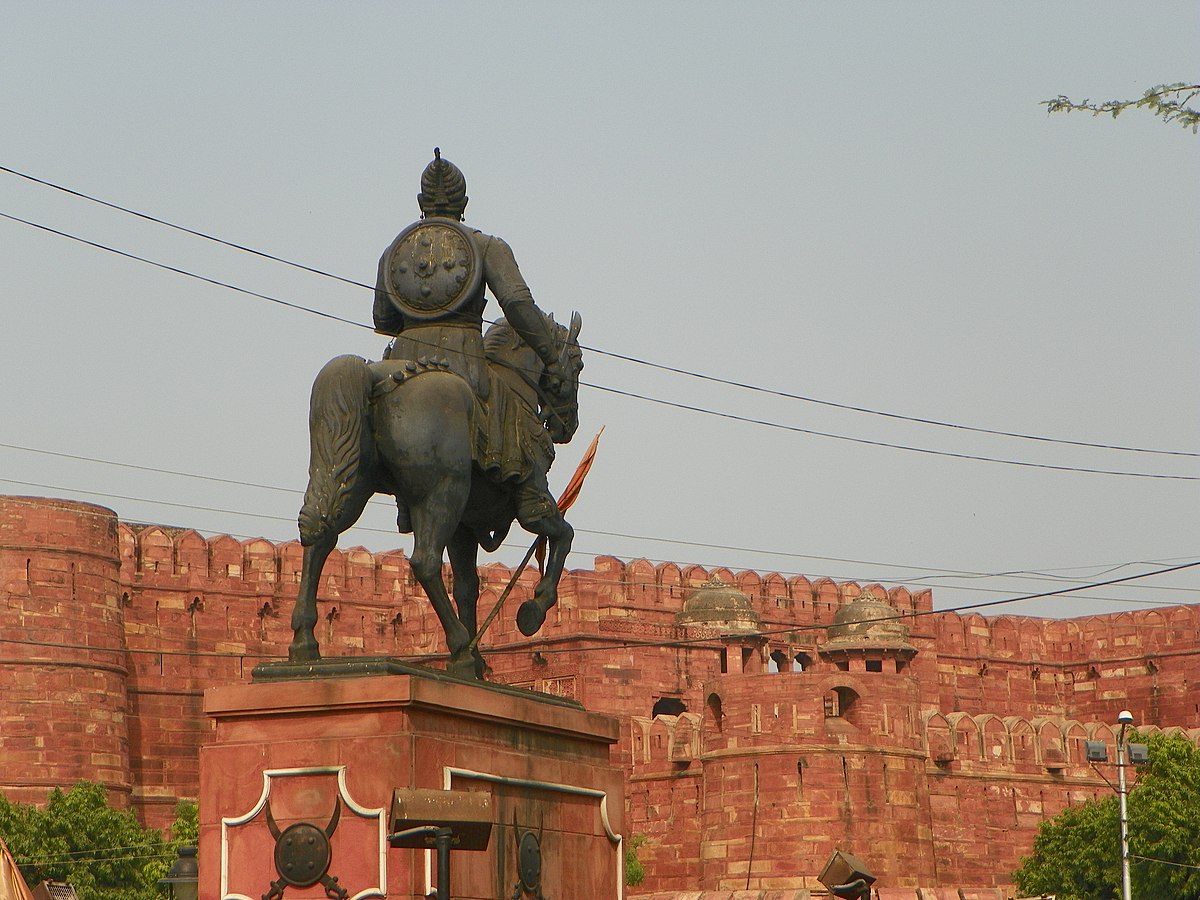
x=575 y=485
x=571 y=492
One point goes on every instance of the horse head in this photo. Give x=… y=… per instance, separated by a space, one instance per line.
x=560 y=411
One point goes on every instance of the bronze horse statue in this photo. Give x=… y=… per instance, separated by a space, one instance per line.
x=408 y=429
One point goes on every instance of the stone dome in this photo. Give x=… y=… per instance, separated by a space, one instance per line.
x=867 y=622
x=718 y=605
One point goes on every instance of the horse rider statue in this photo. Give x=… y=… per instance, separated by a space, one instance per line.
x=430 y=298
x=457 y=427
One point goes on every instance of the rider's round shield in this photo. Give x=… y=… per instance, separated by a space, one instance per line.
x=432 y=269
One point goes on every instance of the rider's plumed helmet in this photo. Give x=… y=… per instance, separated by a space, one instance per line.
x=443 y=188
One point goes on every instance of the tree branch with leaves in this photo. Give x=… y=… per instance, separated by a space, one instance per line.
x=1170 y=102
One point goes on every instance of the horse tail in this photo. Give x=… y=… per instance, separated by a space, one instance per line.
x=339 y=442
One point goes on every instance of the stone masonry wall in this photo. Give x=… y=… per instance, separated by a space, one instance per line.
x=64 y=703
x=749 y=759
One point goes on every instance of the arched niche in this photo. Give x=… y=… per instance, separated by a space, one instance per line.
x=939 y=738
x=968 y=743
x=995 y=739
x=191 y=554
x=155 y=551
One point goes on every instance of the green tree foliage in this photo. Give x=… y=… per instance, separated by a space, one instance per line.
x=106 y=854
x=1170 y=102
x=1077 y=855
x=185 y=832
x=635 y=872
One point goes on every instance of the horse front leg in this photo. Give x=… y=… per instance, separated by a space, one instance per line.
x=559 y=535
x=463 y=551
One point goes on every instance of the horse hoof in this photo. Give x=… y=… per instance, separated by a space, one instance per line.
x=304 y=651
x=462 y=668
x=530 y=618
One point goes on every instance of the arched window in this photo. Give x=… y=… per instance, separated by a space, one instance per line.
x=839 y=704
x=668 y=706
x=715 y=714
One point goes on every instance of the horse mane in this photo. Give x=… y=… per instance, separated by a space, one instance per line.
x=505 y=348
x=501 y=343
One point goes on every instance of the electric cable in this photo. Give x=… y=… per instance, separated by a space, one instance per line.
x=899 y=580
x=1165 y=862
x=935 y=571
x=185 y=272
x=815 y=626
x=183 y=228
x=683 y=642
x=630 y=394
x=619 y=356
x=841 y=437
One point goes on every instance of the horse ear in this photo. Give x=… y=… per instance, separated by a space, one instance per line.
x=576 y=324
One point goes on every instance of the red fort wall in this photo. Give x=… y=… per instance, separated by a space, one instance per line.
x=936 y=766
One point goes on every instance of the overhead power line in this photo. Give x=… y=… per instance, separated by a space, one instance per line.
x=630 y=394
x=578 y=577
x=933 y=571
x=179 y=271
x=623 y=357
x=609 y=647
x=911 y=449
x=183 y=228
x=888 y=415
x=899 y=616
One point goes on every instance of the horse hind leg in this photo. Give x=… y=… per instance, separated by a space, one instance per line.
x=435 y=518
x=463 y=551
x=317 y=547
x=304 y=647
x=339 y=483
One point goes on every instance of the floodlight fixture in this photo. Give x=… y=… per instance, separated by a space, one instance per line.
x=442 y=820
x=183 y=879
x=847 y=876
x=1097 y=751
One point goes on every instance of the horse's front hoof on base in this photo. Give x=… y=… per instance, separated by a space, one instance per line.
x=463 y=666
x=304 y=650
x=530 y=618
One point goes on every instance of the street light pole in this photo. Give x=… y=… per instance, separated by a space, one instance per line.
x=1125 y=718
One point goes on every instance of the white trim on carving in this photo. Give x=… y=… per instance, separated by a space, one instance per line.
x=227 y=822
x=449 y=773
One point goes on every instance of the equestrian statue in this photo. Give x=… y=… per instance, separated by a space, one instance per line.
x=457 y=426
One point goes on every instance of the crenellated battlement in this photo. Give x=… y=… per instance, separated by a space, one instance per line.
x=1127 y=635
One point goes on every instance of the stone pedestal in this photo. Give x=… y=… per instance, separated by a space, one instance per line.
x=301 y=771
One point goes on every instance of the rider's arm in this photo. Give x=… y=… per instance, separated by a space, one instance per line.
x=512 y=293
x=388 y=319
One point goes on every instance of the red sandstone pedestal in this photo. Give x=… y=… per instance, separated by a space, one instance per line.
x=300 y=757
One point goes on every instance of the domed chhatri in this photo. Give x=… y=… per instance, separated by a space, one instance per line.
x=716 y=604
x=867 y=622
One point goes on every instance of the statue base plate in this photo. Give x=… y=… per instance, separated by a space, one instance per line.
x=364 y=666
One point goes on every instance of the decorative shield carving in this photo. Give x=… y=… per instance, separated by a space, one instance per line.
x=304 y=833
x=432 y=269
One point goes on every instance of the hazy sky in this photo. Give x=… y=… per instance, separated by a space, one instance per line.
x=856 y=203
